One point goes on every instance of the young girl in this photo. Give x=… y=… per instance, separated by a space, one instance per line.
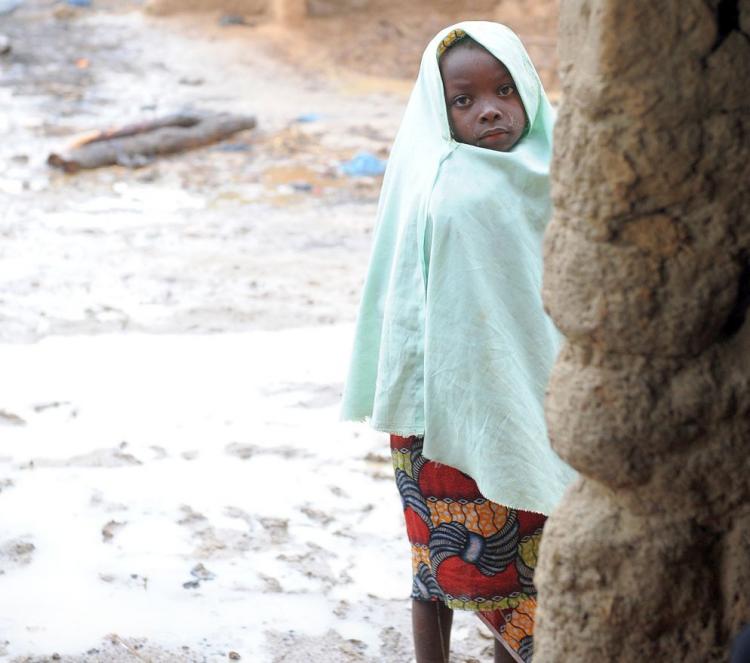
x=453 y=348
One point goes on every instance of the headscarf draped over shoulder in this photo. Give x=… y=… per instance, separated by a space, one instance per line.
x=452 y=341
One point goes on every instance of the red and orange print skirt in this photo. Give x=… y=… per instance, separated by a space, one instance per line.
x=467 y=551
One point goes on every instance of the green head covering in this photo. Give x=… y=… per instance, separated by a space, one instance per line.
x=452 y=341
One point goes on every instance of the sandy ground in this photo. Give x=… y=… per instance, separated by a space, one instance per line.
x=174 y=485
x=259 y=232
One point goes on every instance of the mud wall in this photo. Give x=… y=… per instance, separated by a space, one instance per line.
x=241 y=7
x=294 y=9
x=647 y=273
x=290 y=10
x=344 y=34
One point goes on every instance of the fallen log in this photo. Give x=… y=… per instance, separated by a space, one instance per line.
x=138 y=144
x=177 y=120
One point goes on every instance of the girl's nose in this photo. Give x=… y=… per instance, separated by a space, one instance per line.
x=490 y=113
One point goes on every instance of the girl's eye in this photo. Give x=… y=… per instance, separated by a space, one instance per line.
x=462 y=100
x=506 y=90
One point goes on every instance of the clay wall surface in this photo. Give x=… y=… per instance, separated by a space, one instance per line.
x=241 y=7
x=647 y=273
x=312 y=7
x=285 y=8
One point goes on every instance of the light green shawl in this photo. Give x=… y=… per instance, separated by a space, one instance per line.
x=452 y=341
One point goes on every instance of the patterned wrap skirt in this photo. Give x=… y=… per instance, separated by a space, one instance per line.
x=467 y=551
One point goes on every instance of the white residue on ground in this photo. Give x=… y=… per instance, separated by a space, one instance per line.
x=217 y=450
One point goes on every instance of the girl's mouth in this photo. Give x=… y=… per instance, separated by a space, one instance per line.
x=489 y=133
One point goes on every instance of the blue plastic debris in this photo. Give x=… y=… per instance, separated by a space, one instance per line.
x=232 y=19
x=308 y=117
x=79 y=3
x=232 y=147
x=364 y=164
x=8 y=6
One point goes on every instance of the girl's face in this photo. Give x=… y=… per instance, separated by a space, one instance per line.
x=484 y=107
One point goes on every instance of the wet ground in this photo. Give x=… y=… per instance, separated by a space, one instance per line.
x=261 y=231
x=174 y=485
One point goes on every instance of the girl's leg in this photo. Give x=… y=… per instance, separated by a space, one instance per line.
x=431 y=625
x=502 y=655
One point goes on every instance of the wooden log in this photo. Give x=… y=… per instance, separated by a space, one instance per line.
x=139 y=144
x=177 y=120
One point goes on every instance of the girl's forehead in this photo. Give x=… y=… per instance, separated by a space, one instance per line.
x=462 y=61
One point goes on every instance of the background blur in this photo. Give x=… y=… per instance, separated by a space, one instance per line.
x=174 y=484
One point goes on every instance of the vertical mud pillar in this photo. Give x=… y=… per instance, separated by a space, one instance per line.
x=647 y=274
x=289 y=11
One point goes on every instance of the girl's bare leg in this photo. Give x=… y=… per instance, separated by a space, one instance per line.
x=431 y=625
x=502 y=655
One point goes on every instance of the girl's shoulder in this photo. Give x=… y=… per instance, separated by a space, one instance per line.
x=465 y=183
x=493 y=188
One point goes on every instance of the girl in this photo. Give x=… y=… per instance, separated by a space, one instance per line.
x=453 y=349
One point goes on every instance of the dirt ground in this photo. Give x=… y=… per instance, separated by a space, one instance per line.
x=388 y=38
x=261 y=232
x=228 y=267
